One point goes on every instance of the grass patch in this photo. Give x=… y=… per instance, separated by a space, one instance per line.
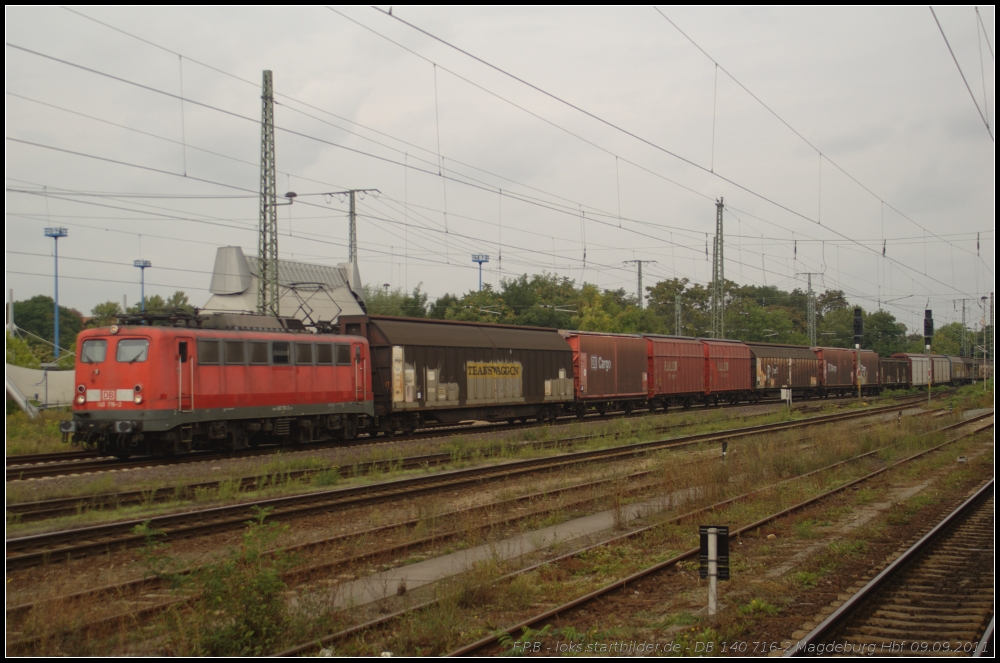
x=36 y=436
x=806 y=579
x=758 y=607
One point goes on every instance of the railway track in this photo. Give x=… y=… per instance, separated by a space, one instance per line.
x=60 y=546
x=54 y=508
x=936 y=598
x=37 y=466
x=489 y=644
x=150 y=596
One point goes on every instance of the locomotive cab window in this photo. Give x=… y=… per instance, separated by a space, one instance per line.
x=258 y=352
x=324 y=354
x=304 y=354
x=343 y=354
x=235 y=352
x=208 y=352
x=94 y=352
x=279 y=353
x=131 y=350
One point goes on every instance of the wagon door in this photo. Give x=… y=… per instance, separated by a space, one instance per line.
x=360 y=376
x=185 y=373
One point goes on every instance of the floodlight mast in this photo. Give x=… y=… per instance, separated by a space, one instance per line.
x=56 y=233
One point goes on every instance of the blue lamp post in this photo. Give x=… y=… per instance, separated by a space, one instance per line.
x=56 y=233
x=142 y=265
x=480 y=258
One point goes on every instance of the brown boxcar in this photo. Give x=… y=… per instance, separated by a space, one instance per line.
x=895 y=373
x=959 y=370
x=777 y=366
x=869 y=372
x=445 y=371
x=727 y=370
x=836 y=369
x=676 y=370
x=609 y=367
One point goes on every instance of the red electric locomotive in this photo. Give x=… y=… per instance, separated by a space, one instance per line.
x=230 y=382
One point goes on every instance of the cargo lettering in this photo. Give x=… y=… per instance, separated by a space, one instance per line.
x=722 y=366
x=599 y=363
x=670 y=365
x=492 y=370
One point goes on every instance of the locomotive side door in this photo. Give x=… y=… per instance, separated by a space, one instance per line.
x=360 y=376
x=185 y=373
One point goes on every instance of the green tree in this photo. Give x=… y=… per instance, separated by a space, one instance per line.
x=178 y=300
x=104 y=314
x=481 y=306
x=947 y=340
x=19 y=353
x=441 y=306
x=544 y=300
x=883 y=333
x=37 y=316
x=380 y=301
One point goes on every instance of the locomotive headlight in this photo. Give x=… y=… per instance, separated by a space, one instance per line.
x=137 y=388
x=114 y=329
x=137 y=399
x=80 y=388
x=81 y=399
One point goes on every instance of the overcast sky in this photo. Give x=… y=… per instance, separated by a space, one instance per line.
x=613 y=146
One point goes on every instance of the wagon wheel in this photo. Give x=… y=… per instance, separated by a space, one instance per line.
x=350 y=428
x=629 y=407
x=581 y=411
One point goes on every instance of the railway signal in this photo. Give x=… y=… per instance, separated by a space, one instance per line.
x=859 y=331
x=928 y=336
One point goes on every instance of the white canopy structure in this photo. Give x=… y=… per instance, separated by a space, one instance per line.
x=312 y=293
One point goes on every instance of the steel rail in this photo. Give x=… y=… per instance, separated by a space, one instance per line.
x=842 y=614
x=52 y=508
x=42 y=548
x=689 y=554
x=30 y=466
x=307 y=647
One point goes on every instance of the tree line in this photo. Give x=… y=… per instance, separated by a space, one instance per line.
x=753 y=313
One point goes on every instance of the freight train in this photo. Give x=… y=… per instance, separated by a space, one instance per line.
x=229 y=381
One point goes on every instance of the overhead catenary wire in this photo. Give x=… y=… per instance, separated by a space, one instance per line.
x=619 y=128
x=501 y=194
x=962 y=74
x=244 y=80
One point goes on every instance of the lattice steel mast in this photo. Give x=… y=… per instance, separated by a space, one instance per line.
x=267 y=296
x=718 y=277
x=639 y=285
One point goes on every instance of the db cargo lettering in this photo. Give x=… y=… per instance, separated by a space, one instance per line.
x=723 y=366
x=486 y=370
x=599 y=363
x=670 y=365
x=831 y=368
